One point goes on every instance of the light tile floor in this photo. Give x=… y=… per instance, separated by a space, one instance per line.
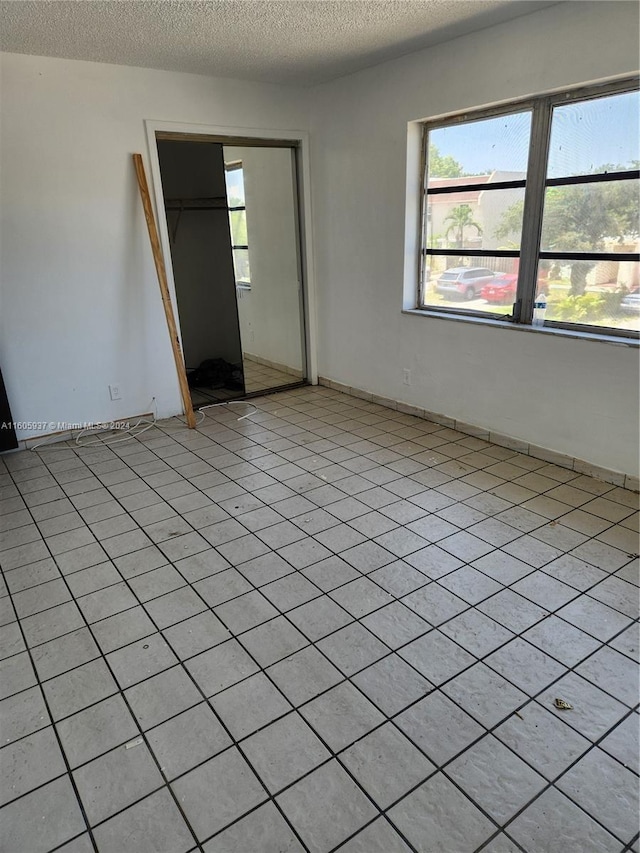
x=326 y=626
x=261 y=377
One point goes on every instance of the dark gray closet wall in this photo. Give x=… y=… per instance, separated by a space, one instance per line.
x=201 y=250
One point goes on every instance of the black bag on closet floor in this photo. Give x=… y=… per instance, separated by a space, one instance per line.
x=216 y=373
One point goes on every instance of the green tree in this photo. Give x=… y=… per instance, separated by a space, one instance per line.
x=460 y=219
x=580 y=218
x=238 y=225
x=443 y=166
x=510 y=224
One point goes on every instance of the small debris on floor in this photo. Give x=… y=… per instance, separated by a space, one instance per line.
x=562 y=704
x=133 y=743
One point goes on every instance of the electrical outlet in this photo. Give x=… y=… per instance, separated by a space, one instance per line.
x=114 y=392
x=406 y=376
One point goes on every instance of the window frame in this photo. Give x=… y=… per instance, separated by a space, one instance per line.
x=235 y=166
x=535 y=185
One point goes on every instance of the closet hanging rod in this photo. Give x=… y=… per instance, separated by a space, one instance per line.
x=211 y=203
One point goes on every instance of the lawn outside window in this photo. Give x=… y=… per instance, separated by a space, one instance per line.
x=536 y=201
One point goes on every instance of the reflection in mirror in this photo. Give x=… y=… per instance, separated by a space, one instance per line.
x=261 y=195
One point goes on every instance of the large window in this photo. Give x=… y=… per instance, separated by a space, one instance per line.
x=536 y=209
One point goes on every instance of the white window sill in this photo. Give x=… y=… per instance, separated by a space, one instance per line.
x=519 y=327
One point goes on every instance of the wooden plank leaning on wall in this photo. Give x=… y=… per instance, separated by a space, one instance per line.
x=161 y=271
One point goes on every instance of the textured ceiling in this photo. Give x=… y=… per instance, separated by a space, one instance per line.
x=286 y=41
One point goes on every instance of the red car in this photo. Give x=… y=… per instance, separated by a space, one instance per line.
x=501 y=290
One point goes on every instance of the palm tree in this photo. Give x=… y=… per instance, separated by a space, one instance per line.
x=461 y=217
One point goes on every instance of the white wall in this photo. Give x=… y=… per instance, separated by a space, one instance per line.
x=269 y=313
x=80 y=305
x=575 y=397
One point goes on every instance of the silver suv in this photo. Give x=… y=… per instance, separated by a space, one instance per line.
x=464 y=281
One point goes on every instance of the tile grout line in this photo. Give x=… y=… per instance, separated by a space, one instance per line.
x=67 y=773
x=142 y=734
x=471 y=606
